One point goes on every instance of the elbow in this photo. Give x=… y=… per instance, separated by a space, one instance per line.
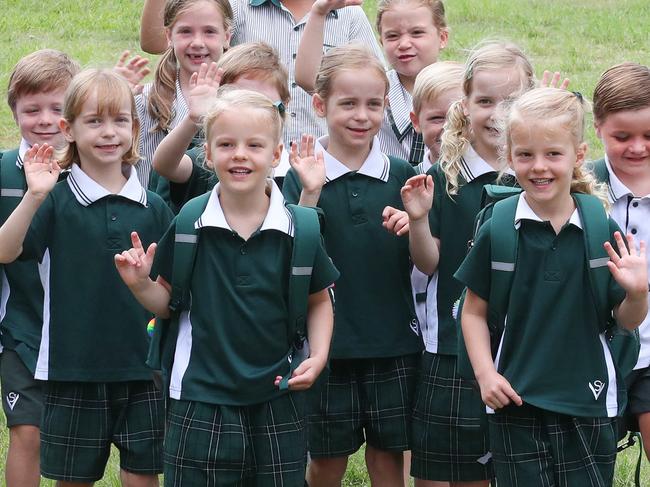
x=7 y=257
x=305 y=82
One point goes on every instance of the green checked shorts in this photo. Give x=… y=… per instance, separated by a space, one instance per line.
x=209 y=445
x=537 y=448
x=363 y=400
x=82 y=419
x=450 y=428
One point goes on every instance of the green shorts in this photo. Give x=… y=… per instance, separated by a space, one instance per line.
x=259 y=445
x=81 y=420
x=450 y=428
x=532 y=447
x=22 y=395
x=363 y=400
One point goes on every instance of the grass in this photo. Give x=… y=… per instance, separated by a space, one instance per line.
x=581 y=38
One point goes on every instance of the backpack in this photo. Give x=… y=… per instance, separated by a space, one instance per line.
x=500 y=210
x=305 y=246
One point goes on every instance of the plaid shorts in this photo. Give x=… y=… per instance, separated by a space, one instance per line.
x=209 y=445
x=22 y=395
x=82 y=419
x=537 y=448
x=450 y=430
x=363 y=400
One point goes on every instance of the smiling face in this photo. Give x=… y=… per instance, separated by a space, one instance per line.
x=488 y=89
x=543 y=155
x=37 y=116
x=242 y=148
x=626 y=137
x=101 y=137
x=410 y=39
x=431 y=119
x=354 y=108
x=198 y=35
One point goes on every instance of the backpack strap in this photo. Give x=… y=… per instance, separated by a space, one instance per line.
x=305 y=245
x=599 y=169
x=13 y=184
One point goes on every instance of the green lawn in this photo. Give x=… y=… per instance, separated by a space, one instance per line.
x=581 y=38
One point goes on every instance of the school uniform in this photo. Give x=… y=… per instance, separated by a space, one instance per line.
x=271 y=22
x=565 y=432
x=450 y=441
x=377 y=342
x=94 y=337
x=632 y=214
x=229 y=350
x=21 y=318
x=397 y=136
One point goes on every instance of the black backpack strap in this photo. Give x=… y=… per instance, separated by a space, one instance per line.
x=305 y=245
x=12 y=181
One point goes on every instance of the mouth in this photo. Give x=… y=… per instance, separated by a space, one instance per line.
x=493 y=131
x=108 y=147
x=406 y=57
x=541 y=182
x=46 y=134
x=239 y=171
x=358 y=131
x=199 y=58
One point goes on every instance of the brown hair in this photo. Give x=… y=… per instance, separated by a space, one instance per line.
x=564 y=109
x=488 y=55
x=163 y=90
x=435 y=80
x=40 y=72
x=110 y=90
x=349 y=57
x=259 y=60
x=624 y=86
x=436 y=6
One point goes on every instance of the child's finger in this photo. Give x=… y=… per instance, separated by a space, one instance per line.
x=545 y=77
x=631 y=248
x=122 y=59
x=388 y=211
x=513 y=396
x=194 y=79
x=620 y=243
x=613 y=256
x=151 y=251
x=137 y=243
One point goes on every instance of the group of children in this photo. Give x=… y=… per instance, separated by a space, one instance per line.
x=306 y=292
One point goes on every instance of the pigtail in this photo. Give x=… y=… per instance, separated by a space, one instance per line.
x=163 y=91
x=584 y=181
x=454 y=143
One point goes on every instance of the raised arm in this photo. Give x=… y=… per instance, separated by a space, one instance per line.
x=42 y=173
x=310 y=169
x=152 y=30
x=310 y=49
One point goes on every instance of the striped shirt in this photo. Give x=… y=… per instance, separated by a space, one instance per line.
x=149 y=139
x=270 y=22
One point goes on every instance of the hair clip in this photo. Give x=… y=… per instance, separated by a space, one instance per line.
x=578 y=95
x=280 y=106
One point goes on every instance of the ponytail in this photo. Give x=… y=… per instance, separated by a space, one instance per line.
x=454 y=143
x=163 y=91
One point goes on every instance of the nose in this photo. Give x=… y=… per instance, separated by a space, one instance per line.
x=404 y=42
x=48 y=117
x=539 y=164
x=197 y=40
x=239 y=153
x=108 y=129
x=638 y=145
x=361 y=113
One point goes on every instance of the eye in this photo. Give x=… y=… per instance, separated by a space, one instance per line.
x=621 y=138
x=436 y=120
x=376 y=104
x=484 y=101
x=418 y=32
x=390 y=37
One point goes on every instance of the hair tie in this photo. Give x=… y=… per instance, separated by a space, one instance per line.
x=578 y=95
x=280 y=106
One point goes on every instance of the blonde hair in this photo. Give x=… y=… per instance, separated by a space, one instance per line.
x=350 y=57
x=258 y=60
x=435 y=80
x=487 y=56
x=567 y=110
x=625 y=86
x=230 y=98
x=40 y=72
x=163 y=90
x=436 y=6
x=110 y=90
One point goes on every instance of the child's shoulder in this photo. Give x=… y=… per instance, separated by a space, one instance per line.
x=399 y=167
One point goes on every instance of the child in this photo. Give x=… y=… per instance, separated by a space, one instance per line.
x=449 y=424
x=412 y=33
x=554 y=410
x=245 y=237
x=253 y=66
x=376 y=346
x=622 y=120
x=35 y=96
x=197 y=32
x=98 y=389
x=280 y=24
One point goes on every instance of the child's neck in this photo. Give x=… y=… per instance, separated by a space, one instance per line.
x=488 y=154
x=350 y=157
x=244 y=212
x=184 y=81
x=407 y=82
x=298 y=8
x=638 y=184
x=109 y=177
x=557 y=213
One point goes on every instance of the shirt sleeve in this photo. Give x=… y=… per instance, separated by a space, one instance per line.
x=474 y=272
x=164 y=258
x=324 y=272
x=39 y=234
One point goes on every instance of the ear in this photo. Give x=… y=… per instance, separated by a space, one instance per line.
x=66 y=130
x=415 y=122
x=581 y=154
x=206 y=149
x=226 y=44
x=320 y=106
x=168 y=36
x=463 y=103
x=444 y=38
x=277 y=155
x=597 y=129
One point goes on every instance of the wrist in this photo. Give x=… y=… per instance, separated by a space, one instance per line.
x=319 y=10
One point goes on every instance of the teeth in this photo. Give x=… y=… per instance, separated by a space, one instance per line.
x=240 y=171
x=541 y=181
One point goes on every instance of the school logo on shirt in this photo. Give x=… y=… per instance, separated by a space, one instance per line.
x=415 y=326
x=596 y=387
x=12 y=399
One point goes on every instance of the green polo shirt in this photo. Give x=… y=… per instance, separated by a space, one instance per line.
x=552 y=352
x=201 y=180
x=374 y=315
x=452 y=221
x=94 y=330
x=21 y=306
x=235 y=338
